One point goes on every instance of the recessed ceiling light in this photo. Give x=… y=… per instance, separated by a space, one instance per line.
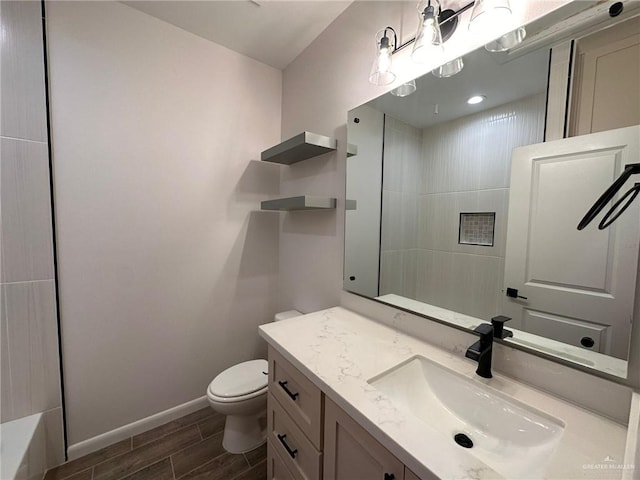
x=476 y=99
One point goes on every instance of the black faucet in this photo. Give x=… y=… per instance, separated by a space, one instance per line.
x=498 y=327
x=481 y=350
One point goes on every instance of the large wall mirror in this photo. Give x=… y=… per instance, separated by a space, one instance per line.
x=463 y=212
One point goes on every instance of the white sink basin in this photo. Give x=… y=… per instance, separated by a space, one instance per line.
x=517 y=441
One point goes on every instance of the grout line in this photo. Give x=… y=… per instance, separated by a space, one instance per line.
x=250 y=468
x=197 y=423
x=128 y=474
x=108 y=460
x=462 y=191
x=132 y=449
x=205 y=463
x=28 y=281
x=173 y=472
x=6 y=137
x=452 y=253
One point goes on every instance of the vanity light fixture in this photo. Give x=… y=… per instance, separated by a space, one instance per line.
x=405 y=89
x=449 y=69
x=476 y=99
x=507 y=41
x=435 y=27
x=489 y=14
x=381 y=73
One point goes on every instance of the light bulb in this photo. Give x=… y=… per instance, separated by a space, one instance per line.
x=381 y=73
x=428 y=38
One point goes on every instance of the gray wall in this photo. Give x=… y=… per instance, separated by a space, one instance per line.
x=30 y=381
x=166 y=264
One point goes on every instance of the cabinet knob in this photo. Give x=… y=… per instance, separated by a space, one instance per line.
x=389 y=476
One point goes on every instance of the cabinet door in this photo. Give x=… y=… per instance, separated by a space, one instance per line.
x=351 y=453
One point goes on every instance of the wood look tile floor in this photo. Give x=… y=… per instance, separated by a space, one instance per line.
x=187 y=448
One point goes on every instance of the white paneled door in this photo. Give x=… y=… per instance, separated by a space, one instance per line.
x=578 y=286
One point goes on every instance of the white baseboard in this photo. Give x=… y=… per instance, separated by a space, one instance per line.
x=139 y=426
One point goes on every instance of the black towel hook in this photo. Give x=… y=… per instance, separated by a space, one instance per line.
x=632 y=193
x=630 y=169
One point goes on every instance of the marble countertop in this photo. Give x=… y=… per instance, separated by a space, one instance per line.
x=339 y=350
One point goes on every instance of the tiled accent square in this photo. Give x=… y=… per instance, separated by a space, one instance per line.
x=477 y=228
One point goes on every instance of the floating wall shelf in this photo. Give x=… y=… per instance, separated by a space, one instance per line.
x=302 y=202
x=301 y=147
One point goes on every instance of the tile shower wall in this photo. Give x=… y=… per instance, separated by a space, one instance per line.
x=30 y=376
x=430 y=177
x=400 y=194
x=466 y=168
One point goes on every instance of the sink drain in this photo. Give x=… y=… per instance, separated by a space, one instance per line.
x=462 y=440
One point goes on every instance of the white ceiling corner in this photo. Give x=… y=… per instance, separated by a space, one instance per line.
x=274 y=32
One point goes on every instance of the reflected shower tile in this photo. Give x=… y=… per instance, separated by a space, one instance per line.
x=410 y=272
x=409 y=217
x=462 y=283
x=438 y=222
x=391 y=220
x=391 y=272
x=474 y=152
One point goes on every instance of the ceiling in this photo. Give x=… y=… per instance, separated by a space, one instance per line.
x=273 y=32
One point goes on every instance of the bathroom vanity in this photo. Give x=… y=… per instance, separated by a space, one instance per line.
x=352 y=398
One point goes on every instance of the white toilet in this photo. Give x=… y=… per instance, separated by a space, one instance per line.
x=240 y=393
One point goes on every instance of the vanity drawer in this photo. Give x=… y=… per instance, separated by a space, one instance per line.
x=300 y=398
x=298 y=454
x=276 y=469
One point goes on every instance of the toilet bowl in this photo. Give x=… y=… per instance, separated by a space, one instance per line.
x=240 y=393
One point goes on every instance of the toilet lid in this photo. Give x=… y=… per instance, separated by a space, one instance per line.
x=241 y=379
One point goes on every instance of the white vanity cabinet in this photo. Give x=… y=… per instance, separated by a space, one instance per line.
x=310 y=438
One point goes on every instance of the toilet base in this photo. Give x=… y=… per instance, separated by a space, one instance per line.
x=242 y=433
